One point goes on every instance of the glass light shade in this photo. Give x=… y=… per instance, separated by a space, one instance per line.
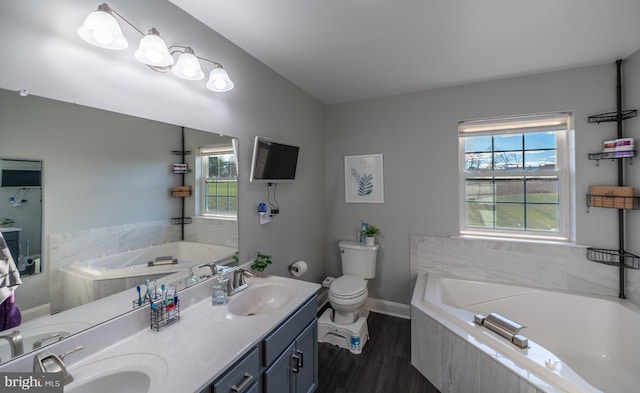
x=188 y=67
x=219 y=80
x=100 y=28
x=153 y=51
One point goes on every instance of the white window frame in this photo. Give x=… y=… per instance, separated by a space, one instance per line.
x=203 y=153
x=558 y=122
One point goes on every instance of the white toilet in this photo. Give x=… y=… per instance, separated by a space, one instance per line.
x=344 y=324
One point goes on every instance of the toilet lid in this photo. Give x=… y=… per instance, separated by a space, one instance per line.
x=348 y=286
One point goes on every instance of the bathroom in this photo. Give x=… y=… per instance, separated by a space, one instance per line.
x=419 y=190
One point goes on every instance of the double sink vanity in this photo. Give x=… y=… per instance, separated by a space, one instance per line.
x=263 y=340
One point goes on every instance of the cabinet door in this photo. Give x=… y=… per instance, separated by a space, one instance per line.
x=306 y=350
x=278 y=378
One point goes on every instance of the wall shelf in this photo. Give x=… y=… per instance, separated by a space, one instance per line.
x=613 y=155
x=613 y=116
x=620 y=257
x=612 y=257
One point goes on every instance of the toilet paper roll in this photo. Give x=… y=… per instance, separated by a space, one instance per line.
x=298 y=269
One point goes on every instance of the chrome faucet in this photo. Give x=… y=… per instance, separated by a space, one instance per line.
x=15 y=342
x=239 y=281
x=47 y=362
x=212 y=266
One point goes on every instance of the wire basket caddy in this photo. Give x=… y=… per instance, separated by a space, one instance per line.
x=613 y=257
x=164 y=313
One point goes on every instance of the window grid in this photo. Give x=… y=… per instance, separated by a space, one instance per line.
x=220 y=184
x=541 y=206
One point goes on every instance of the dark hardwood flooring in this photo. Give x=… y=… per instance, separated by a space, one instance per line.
x=384 y=366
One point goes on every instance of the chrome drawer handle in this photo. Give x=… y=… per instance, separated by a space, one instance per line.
x=301 y=358
x=296 y=366
x=245 y=381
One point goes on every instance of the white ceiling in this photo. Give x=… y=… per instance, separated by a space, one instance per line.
x=347 y=50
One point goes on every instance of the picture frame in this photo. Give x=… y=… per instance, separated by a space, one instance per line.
x=364 y=179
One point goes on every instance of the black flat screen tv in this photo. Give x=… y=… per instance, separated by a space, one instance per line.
x=20 y=178
x=273 y=161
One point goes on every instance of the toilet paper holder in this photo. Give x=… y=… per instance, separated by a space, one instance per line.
x=298 y=268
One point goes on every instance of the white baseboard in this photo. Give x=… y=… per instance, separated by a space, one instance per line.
x=388 y=308
x=36 y=312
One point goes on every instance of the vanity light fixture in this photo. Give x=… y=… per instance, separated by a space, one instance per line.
x=100 y=28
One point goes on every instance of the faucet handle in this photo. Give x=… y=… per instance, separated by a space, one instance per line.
x=38 y=344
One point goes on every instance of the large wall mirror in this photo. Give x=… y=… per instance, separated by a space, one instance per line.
x=108 y=188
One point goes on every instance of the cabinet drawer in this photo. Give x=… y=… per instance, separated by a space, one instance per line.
x=286 y=333
x=241 y=377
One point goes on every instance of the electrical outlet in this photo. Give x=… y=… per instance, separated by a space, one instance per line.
x=275 y=211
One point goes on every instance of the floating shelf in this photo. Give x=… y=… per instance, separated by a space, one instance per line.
x=612 y=257
x=613 y=116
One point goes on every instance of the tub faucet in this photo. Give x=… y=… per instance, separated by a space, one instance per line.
x=15 y=342
x=212 y=266
x=47 y=362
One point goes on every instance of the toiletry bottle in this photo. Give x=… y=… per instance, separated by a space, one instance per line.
x=363 y=230
x=192 y=279
x=219 y=291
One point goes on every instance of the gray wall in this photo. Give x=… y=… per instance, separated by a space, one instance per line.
x=48 y=59
x=417 y=133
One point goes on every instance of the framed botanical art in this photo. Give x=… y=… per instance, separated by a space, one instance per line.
x=363 y=179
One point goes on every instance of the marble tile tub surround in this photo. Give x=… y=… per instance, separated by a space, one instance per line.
x=68 y=247
x=553 y=266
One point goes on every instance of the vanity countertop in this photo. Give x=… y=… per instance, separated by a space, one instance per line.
x=10 y=229
x=205 y=342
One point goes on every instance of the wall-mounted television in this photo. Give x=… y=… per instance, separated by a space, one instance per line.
x=273 y=161
x=20 y=178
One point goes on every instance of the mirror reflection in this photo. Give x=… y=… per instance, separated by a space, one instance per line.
x=21 y=212
x=124 y=200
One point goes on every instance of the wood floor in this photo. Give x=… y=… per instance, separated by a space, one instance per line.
x=384 y=366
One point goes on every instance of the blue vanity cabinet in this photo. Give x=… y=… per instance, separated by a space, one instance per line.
x=291 y=353
x=285 y=361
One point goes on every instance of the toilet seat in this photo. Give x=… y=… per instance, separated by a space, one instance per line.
x=348 y=287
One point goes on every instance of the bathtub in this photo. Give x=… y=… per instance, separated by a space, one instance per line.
x=577 y=343
x=85 y=281
x=135 y=262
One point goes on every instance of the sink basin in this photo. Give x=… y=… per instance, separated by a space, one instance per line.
x=260 y=298
x=139 y=372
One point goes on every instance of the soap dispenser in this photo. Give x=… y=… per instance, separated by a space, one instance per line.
x=219 y=291
x=192 y=279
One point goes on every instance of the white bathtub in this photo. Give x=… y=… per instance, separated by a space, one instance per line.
x=135 y=262
x=576 y=343
x=85 y=281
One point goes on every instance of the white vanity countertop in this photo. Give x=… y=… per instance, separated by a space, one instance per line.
x=206 y=341
x=9 y=229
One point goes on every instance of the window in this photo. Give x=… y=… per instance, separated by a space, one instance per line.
x=514 y=177
x=220 y=178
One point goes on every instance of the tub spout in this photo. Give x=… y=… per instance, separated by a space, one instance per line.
x=504 y=327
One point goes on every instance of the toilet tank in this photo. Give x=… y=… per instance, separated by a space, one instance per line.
x=358 y=259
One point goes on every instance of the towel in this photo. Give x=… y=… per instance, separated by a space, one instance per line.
x=9 y=275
